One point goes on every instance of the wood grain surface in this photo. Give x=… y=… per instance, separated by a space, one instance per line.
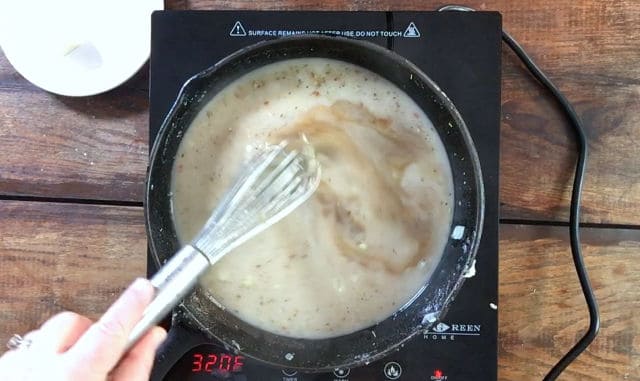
x=58 y=257
x=542 y=310
x=55 y=146
x=590 y=48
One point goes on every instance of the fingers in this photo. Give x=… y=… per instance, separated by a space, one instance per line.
x=13 y=358
x=31 y=335
x=103 y=343
x=9 y=363
x=137 y=363
x=59 y=333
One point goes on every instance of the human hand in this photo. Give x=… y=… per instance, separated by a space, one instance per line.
x=70 y=347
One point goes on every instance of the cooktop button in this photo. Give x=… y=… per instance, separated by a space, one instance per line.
x=342 y=372
x=289 y=372
x=392 y=370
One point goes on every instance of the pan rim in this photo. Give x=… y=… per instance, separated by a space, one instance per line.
x=420 y=75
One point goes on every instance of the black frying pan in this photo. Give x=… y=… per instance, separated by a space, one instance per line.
x=362 y=346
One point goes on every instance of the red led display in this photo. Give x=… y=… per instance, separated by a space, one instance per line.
x=216 y=362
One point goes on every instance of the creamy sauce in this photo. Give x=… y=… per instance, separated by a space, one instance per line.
x=366 y=241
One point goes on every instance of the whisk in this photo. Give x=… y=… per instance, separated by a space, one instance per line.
x=273 y=184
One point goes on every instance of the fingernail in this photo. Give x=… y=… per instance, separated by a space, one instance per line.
x=160 y=335
x=140 y=284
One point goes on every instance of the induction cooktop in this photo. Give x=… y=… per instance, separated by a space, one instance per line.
x=461 y=52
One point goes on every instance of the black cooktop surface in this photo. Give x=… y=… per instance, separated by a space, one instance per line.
x=461 y=52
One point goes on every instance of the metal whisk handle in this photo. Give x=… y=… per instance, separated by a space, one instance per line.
x=173 y=282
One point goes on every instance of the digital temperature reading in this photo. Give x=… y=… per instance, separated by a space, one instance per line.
x=216 y=363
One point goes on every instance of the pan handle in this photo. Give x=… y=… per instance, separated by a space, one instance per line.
x=173 y=282
x=181 y=338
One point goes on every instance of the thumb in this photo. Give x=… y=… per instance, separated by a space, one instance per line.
x=103 y=344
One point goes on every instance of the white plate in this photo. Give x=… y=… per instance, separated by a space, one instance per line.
x=77 y=47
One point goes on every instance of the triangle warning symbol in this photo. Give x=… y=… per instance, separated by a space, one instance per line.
x=411 y=31
x=238 y=30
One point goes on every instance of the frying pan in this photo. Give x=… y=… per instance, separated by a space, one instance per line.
x=439 y=290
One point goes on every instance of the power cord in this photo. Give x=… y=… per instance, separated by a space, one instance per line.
x=574 y=215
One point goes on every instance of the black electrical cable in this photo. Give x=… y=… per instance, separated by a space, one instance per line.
x=574 y=214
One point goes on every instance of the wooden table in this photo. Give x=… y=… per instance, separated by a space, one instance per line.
x=72 y=172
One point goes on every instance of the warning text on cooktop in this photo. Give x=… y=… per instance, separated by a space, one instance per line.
x=240 y=30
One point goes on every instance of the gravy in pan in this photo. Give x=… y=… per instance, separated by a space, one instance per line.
x=366 y=241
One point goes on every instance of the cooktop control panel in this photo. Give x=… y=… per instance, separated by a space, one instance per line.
x=209 y=362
